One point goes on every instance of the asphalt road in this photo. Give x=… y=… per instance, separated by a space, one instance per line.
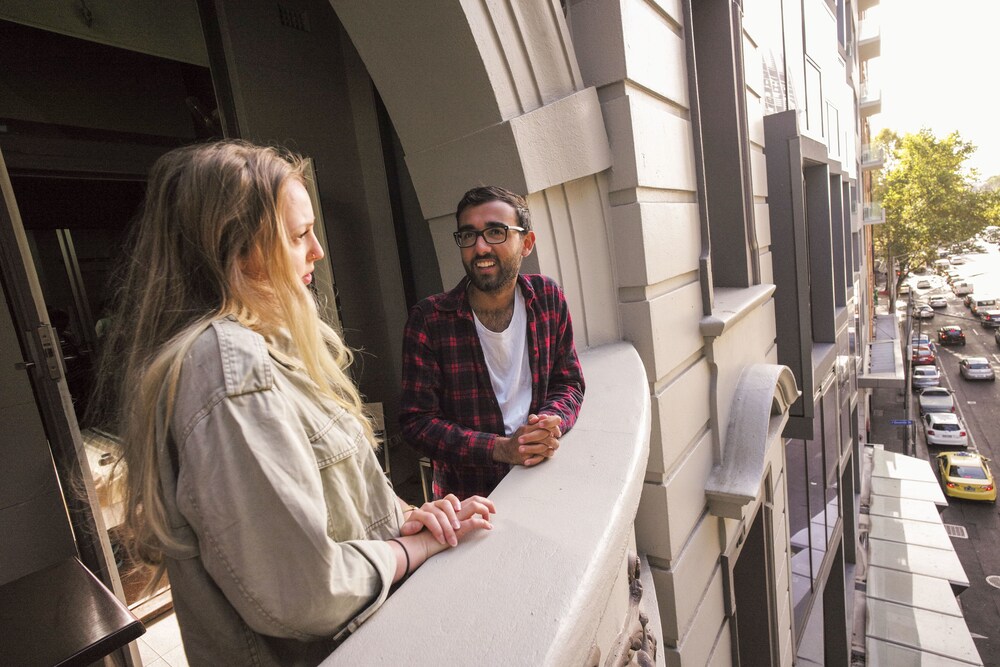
x=978 y=405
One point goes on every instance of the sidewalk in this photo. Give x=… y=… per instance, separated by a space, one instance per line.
x=888 y=404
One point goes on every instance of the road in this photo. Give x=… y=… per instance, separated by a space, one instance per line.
x=977 y=406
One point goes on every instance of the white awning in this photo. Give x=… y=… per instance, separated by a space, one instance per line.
x=883 y=358
x=913 y=572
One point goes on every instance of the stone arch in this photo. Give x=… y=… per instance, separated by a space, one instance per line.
x=760 y=406
x=492 y=93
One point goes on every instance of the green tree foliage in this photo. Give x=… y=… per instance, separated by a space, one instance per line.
x=930 y=198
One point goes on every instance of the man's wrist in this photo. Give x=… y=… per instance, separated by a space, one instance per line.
x=501 y=449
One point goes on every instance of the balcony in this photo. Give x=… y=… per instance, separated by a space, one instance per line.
x=872 y=157
x=869 y=99
x=550 y=580
x=873 y=214
x=869 y=37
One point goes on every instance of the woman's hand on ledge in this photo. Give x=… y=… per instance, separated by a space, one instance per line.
x=436 y=526
x=448 y=519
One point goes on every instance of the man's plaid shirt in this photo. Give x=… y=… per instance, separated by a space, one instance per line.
x=448 y=410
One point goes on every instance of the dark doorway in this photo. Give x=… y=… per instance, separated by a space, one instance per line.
x=753 y=597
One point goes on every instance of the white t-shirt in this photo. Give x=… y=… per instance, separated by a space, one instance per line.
x=506 y=355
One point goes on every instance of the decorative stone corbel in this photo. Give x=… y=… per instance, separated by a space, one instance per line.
x=763 y=396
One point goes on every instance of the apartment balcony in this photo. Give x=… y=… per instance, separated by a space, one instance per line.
x=869 y=99
x=873 y=214
x=552 y=579
x=872 y=157
x=869 y=37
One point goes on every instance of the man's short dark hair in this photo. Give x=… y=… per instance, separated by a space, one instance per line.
x=487 y=193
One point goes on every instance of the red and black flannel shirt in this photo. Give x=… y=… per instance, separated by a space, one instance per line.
x=448 y=410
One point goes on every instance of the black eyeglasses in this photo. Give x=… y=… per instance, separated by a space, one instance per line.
x=493 y=235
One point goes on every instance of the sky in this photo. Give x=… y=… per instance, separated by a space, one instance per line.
x=940 y=68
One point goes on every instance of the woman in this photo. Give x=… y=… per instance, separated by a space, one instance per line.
x=250 y=465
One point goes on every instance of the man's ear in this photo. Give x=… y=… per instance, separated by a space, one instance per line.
x=527 y=243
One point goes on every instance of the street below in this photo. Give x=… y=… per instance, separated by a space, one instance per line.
x=974 y=526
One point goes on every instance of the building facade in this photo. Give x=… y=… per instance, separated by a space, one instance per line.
x=697 y=180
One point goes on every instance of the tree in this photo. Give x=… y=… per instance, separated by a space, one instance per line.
x=929 y=197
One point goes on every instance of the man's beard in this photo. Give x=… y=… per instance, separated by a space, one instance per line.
x=505 y=275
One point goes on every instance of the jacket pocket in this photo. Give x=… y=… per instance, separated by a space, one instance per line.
x=359 y=501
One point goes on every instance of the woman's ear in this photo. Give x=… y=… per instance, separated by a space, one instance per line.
x=251 y=263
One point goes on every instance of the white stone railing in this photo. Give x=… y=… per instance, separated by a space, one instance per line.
x=548 y=583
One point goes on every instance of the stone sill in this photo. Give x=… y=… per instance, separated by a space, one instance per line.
x=731 y=305
x=533 y=591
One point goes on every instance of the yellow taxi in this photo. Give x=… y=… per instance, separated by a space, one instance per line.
x=966 y=475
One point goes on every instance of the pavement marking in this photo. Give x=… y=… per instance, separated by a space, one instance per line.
x=993 y=580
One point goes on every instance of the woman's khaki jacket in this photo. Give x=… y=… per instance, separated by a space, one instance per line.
x=279 y=504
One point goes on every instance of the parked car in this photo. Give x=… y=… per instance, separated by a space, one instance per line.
x=920 y=339
x=956 y=260
x=990 y=318
x=961 y=288
x=925 y=376
x=937 y=302
x=922 y=311
x=980 y=303
x=936 y=399
x=923 y=354
x=951 y=335
x=945 y=429
x=923 y=284
x=904 y=289
x=977 y=368
x=967 y=475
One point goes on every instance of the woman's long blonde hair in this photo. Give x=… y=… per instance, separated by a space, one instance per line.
x=211 y=211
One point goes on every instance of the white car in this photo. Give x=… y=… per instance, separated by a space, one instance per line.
x=956 y=260
x=922 y=311
x=945 y=429
x=937 y=302
x=923 y=284
x=961 y=288
x=936 y=399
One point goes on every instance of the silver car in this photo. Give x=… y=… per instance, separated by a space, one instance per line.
x=925 y=376
x=976 y=368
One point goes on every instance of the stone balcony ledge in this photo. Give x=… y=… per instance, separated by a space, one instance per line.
x=535 y=590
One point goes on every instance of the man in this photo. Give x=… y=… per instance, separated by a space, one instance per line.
x=490 y=373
